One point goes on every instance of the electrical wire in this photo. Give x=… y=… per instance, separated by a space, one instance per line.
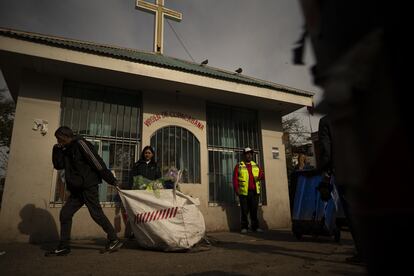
x=180 y=40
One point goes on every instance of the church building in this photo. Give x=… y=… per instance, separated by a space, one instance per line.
x=196 y=117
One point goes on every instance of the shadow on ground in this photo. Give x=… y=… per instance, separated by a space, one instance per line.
x=39 y=224
x=258 y=243
x=215 y=273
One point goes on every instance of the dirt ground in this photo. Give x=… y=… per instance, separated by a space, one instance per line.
x=275 y=252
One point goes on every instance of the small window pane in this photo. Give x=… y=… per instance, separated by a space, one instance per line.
x=134 y=123
x=171 y=148
x=68 y=112
x=191 y=159
x=165 y=149
x=127 y=122
x=209 y=131
x=178 y=156
x=211 y=183
x=197 y=173
x=158 y=144
x=106 y=120
x=92 y=119
x=114 y=112
x=120 y=121
x=99 y=117
x=185 y=155
x=83 y=117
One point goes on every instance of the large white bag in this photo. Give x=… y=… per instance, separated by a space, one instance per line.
x=164 y=219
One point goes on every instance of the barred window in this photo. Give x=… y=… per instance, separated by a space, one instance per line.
x=229 y=131
x=177 y=147
x=109 y=118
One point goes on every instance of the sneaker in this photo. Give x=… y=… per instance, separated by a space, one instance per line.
x=59 y=251
x=113 y=245
x=258 y=230
x=243 y=231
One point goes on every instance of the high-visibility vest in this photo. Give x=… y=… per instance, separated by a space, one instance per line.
x=244 y=178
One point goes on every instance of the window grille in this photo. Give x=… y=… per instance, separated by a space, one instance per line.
x=109 y=118
x=229 y=131
x=177 y=147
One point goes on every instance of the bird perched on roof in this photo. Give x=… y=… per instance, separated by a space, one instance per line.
x=239 y=70
x=204 y=62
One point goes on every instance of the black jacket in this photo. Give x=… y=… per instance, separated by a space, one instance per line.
x=150 y=171
x=82 y=164
x=325 y=144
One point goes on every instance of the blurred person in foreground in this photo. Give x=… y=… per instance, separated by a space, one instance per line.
x=361 y=52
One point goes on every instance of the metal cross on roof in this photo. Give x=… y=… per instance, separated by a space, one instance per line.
x=159 y=10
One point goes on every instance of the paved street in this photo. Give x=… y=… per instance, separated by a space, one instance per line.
x=271 y=253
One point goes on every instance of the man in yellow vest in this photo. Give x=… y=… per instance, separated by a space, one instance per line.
x=246 y=182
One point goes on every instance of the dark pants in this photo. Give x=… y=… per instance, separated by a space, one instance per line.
x=89 y=197
x=248 y=205
x=350 y=219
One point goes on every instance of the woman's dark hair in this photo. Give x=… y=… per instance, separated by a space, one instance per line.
x=151 y=150
x=64 y=131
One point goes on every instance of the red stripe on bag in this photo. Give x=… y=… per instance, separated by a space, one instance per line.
x=164 y=211
x=150 y=216
x=145 y=217
x=169 y=212
x=159 y=212
x=156 y=215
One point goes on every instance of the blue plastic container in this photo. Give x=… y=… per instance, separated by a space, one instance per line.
x=311 y=215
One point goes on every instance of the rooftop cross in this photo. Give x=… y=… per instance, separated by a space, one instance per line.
x=159 y=10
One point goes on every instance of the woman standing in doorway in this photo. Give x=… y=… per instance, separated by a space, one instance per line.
x=147 y=168
x=146 y=165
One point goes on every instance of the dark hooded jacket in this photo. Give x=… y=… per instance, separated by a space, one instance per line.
x=82 y=164
x=150 y=171
x=325 y=145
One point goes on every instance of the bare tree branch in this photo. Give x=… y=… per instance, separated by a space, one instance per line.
x=7 y=109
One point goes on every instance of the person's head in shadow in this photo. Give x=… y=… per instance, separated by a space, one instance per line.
x=303 y=162
x=38 y=224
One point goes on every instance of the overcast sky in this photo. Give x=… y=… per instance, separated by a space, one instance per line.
x=257 y=35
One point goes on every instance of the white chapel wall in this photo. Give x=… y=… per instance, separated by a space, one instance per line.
x=26 y=213
x=277 y=211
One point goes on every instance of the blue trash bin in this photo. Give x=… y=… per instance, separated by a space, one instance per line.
x=311 y=215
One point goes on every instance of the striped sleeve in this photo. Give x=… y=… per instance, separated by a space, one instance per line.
x=92 y=156
x=96 y=161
